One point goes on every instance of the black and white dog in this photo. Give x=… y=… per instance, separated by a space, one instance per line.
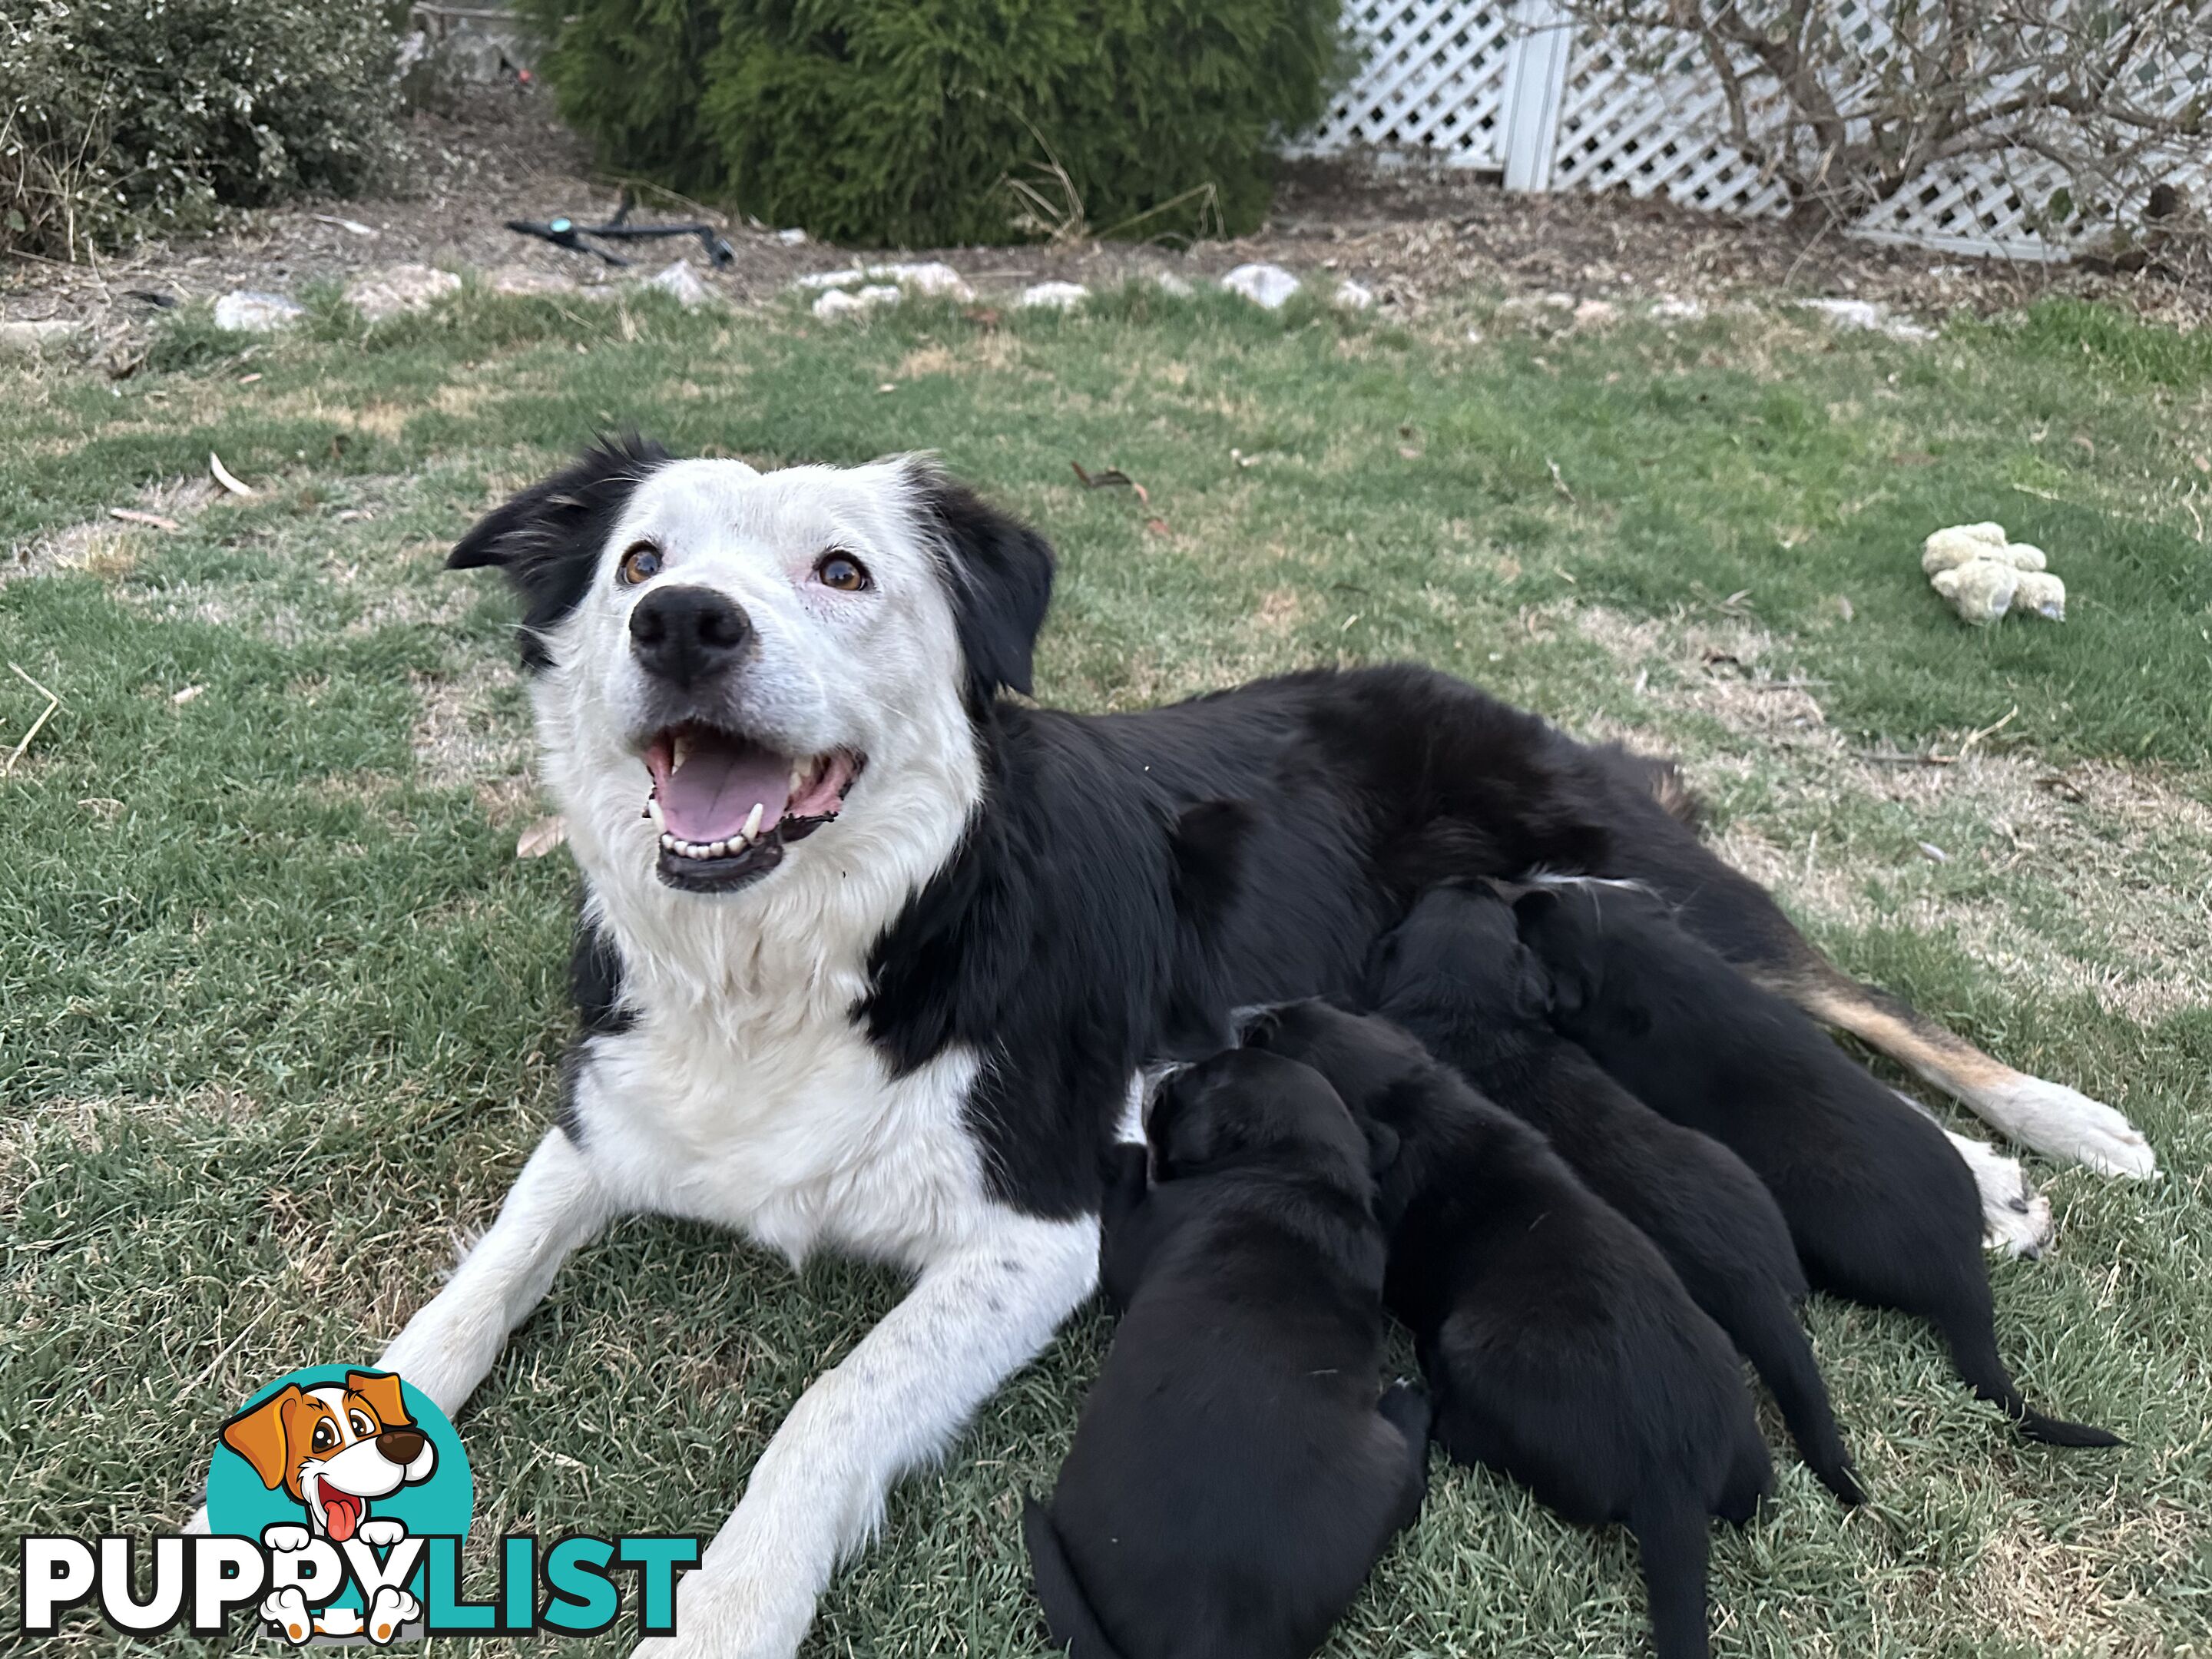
x=871 y=955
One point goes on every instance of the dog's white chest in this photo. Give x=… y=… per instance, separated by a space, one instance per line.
x=796 y=1139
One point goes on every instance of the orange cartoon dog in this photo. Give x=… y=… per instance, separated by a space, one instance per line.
x=334 y=1448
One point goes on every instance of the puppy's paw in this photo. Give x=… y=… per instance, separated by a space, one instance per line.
x=2066 y=1123
x=287 y=1610
x=388 y=1611
x=284 y=1538
x=2016 y=1217
x=381 y=1532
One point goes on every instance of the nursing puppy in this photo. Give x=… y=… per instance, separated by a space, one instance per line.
x=1559 y=1344
x=1882 y=1210
x=1233 y=1476
x=1455 y=976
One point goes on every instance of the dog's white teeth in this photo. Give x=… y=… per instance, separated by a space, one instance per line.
x=797 y=777
x=653 y=812
x=668 y=841
x=751 y=831
x=683 y=753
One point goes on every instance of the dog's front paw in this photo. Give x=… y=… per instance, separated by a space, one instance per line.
x=389 y=1610
x=733 y=1620
x=2016 y=1217
x=2066 y=1123
x=381 y=1533
x=283 y=1537
x=286 y=1609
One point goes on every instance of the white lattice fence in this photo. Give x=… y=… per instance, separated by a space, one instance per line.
x=1513 y=86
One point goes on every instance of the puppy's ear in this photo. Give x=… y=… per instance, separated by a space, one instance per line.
x=258 y=1436
x=1533 y=906
x=1000 y=579
x=1206 y=848
x=381 y=1390
x=1383 y=1146
x=1534 y=996
x=548 y=540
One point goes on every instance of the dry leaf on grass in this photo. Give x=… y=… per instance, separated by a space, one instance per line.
x=542 y=837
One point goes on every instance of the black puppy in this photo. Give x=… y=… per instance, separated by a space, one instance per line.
x=1559 y=1345
x=1455 y=974
x=1882 y=1210
x=1233 y=1476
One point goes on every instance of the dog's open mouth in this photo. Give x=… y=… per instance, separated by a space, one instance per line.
x=341 y=1510
x=727 y=806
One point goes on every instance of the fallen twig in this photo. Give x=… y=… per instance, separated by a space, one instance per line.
x=132 y=515
x=53 y=702
x=224 y=476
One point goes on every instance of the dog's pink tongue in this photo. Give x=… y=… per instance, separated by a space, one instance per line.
x=720 y=782
x=341 y=1514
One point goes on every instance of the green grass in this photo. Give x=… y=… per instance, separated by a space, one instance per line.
x=280 y=1013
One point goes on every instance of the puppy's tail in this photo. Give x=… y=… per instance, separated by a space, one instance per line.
x=1674 y=1542
x=1776 y=1346
x=1974 y=1351
x=1075 y=1628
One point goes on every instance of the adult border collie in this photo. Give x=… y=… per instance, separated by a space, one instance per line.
x=871 y=955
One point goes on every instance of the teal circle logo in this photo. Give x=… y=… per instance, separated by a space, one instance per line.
x=347 y=1457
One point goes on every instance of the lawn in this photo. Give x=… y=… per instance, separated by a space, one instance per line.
x=281 y=1012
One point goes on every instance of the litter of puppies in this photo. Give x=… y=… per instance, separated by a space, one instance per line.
x=1587 y=1163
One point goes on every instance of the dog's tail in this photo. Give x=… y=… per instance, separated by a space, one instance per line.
x=1075 y=1628
x=1775 y=1343
x=1674 y=1542
x=1974 y=1351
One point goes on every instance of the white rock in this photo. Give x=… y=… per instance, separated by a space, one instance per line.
x=1948 y=549
x=252 y=312
x=521 y=280
x=1865 y=314
x=680 y=280
x=1268 y=287
x=1053 y=296
x=1168 y=283
x=1672 y=308
x=378 y=294
x=792 y=237
x=36 y=337
x=933 y=278
x=845 y=278
x=2040 y=593
x=845 y=302
x=1354 y=297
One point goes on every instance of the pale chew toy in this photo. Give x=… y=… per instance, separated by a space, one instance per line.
x=1984 y=574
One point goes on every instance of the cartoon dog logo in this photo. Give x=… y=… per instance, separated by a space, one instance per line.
x=335 y=1450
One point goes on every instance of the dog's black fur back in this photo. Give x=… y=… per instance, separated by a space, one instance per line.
x=1881 y=1208
x=1559 y=1344
x=1234 y=1476
x=1457 y=975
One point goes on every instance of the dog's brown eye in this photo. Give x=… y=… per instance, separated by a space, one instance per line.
x=640 y=561
x=362 y=1427
x=325 y=1437
x=842 y=572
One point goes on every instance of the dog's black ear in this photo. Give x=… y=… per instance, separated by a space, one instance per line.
x=548 y=538
x=1533 y=996
x=1533 y=906
x=1383 y=1146
x=1001 y=574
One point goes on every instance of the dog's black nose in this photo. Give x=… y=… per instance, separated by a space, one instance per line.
x=401 y=1446
x=686 y=634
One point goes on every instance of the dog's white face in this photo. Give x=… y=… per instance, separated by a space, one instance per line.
x=342 y=1466
x=728 y=662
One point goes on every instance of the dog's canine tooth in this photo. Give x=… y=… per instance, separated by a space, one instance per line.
x=797 y=775
x=653 y=810
x=682 y=753
x=753 y=821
